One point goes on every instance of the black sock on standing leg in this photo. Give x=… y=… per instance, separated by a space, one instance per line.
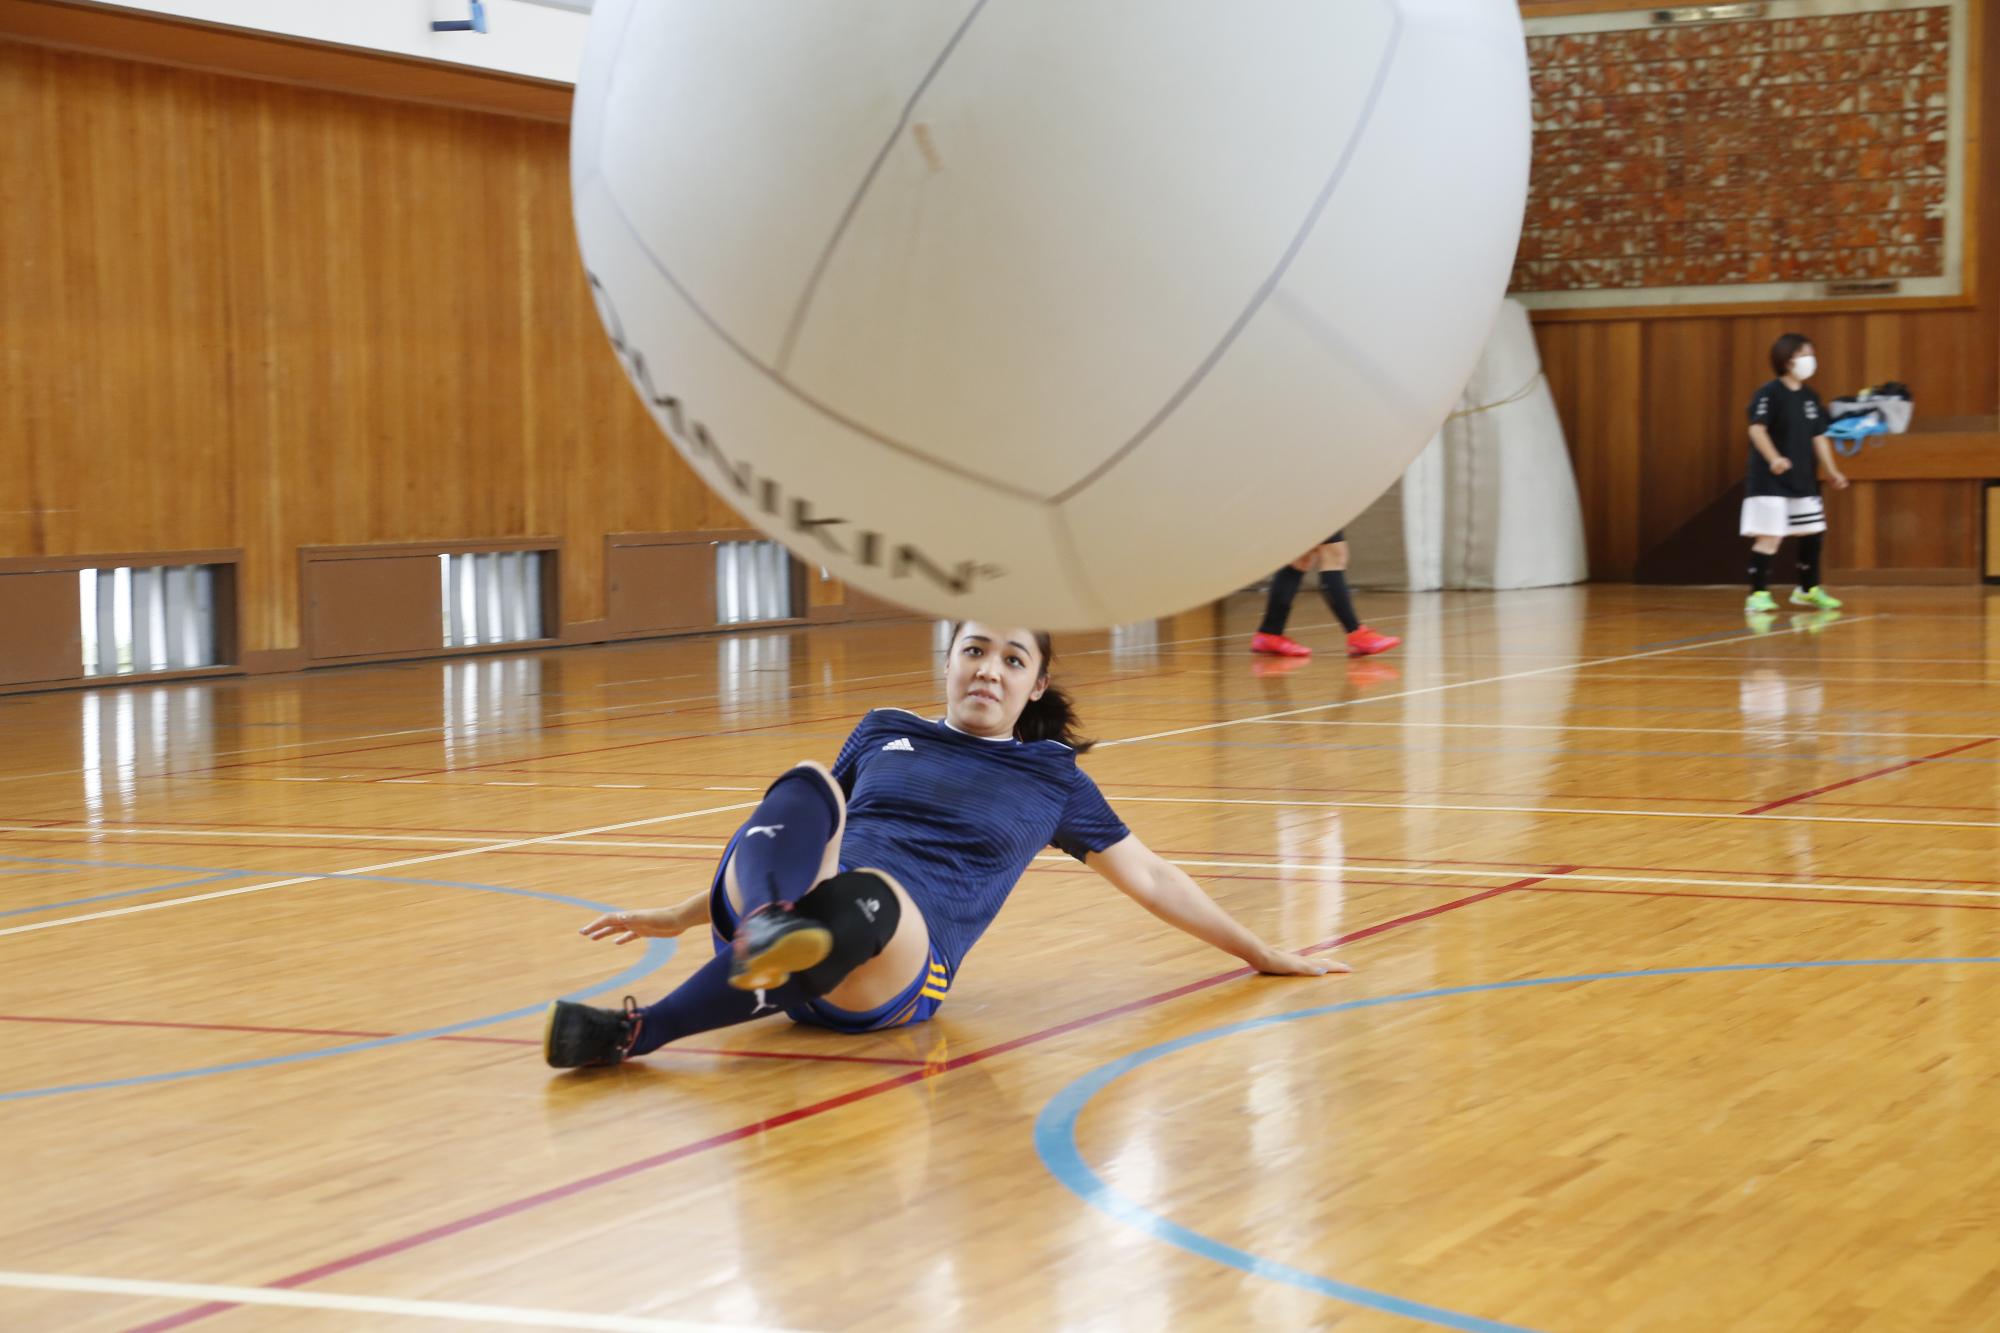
x=1333 y=587
x=1809 y=550
x=1760 y=571
x=1278 y=605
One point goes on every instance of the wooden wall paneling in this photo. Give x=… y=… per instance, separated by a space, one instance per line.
x=824 y=596
x=1927 y=525
x=198 y=46
x=43 y=639
x=258 y=315
x=1687 y=454
x=866 y=606
x=367 y=608
x=1556 y=344
x=1990 y=499
x=665 y=583
x=25 y=153
x=1973 y=500
x=271 y=317
x=659 y=585
x=1608 y=439
x=1882 y=343
x=1855 y=518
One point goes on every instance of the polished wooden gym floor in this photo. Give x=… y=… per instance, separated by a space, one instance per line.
x=1674 y=1003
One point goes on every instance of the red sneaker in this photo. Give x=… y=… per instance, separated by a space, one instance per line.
x=1277 y=645
x=1365 y=642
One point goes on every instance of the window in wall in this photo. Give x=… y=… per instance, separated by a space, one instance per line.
x=753 y=582
x=491 y=597
x=147 y=618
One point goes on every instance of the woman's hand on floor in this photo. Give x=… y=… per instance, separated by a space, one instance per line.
x=1278 y=963
x=658 y=923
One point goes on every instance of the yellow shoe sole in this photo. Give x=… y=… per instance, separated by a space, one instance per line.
x=796 y=952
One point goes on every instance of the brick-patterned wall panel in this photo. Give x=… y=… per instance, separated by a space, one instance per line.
x=1771 y=150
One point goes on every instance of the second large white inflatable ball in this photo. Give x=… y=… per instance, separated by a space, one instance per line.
x=1062 y=313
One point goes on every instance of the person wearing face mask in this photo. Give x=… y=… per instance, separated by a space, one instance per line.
x=851 y=896
x=1789 y=448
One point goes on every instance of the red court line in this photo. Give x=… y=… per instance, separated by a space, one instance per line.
x=528 y=1202
x=490 y=1041
x=1880 y=772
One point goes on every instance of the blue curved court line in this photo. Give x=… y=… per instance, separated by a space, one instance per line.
x=1055 y=1133
x=657 y=952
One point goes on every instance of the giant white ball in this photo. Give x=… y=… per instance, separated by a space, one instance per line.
x=1054 y=312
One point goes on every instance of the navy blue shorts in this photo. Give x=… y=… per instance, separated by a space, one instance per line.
x=913 y=1004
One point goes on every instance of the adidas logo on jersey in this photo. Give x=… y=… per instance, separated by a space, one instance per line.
x=901 y=743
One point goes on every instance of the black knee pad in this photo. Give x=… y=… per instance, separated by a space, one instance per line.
x=862 y=912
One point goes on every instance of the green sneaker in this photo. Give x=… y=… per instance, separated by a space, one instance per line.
x=1816 y=597
x=1760 y=601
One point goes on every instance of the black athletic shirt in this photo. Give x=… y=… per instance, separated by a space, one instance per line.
x=1795 y=418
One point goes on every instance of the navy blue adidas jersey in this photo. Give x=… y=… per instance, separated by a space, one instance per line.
x=957 y=818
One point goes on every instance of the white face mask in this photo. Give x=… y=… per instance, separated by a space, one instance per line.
x=1804 y=367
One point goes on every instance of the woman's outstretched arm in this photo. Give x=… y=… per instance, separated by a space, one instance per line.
x=1170 y=894
x=649 y=922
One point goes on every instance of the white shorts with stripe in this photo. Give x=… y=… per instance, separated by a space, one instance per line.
x=1782 y=516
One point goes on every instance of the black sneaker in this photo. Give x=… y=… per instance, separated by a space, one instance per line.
x=772 y=943
x=577 y=1035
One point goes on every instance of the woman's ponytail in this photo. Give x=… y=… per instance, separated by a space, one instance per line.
x=1051 y=717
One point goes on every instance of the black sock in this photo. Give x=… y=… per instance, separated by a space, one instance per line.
x=1760 y=571
x=783 y=843
x=1278 y=606
x=1333 y=587
x=1809 y=548
x=706 y=1001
